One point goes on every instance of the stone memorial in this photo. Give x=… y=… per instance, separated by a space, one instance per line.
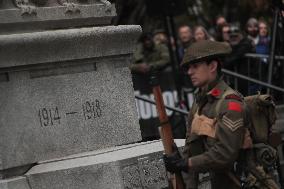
x=52 y=107
x=68 y=117
x=131 y=166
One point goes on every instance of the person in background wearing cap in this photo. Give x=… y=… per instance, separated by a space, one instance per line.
x=216 y=122
x=149 y=56
x=160 y=37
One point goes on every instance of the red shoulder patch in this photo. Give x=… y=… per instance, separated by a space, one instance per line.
x=234 y=106
x=233 y=96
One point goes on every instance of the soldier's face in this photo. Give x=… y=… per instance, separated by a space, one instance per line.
x=202 y=73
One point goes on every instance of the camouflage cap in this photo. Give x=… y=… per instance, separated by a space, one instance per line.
x=205 y=49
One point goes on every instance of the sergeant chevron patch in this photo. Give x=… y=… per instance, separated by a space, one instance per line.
x=233 y=125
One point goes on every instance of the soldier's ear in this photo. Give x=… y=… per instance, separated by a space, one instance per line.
x=213 y=66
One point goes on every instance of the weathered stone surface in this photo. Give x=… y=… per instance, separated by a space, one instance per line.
x=15 y=183
x=63 y=45
x=129 y=167
x=59 y=115
x=14 y=19
x=62 y=108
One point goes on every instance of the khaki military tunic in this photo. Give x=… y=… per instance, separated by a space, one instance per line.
x=215 y=135
x=157 y=58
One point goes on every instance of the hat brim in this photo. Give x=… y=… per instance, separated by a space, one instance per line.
x=204 y=58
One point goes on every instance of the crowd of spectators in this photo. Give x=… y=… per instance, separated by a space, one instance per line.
x=156 y=51
x=254 y=38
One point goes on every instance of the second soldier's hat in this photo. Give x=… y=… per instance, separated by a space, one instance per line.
x=205 y=50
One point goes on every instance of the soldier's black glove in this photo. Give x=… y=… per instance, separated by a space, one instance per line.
x=175 y=148
x=175 y=163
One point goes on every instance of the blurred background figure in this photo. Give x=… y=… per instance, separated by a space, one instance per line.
x=225 y=30
x=200 y=34
x=220 y=21
x=252 y=30
x=160 y=37
x=185 y=37
x=237 y=61
x=262 y=47
x=149 y=56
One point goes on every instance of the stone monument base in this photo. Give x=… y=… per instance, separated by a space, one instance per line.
x=132 y=166
x=14 y=183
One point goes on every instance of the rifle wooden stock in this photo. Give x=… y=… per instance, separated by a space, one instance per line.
x=166 y=132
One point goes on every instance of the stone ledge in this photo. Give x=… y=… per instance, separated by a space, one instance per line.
x=126 y=167
x=14 y=183
x=70 y=44
x=12 y=20
x=148 y=147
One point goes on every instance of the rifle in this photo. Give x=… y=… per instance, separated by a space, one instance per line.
x=165 y=127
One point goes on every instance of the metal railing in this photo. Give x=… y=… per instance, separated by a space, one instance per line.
x=253 y=55
x=167 y=107
x=257 y=73
x=231 y=73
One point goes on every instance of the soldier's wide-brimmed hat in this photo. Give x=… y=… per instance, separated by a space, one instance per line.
x=204 y=50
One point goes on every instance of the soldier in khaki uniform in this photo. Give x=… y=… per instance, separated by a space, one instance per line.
x=216 y=125
x=149 y=55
